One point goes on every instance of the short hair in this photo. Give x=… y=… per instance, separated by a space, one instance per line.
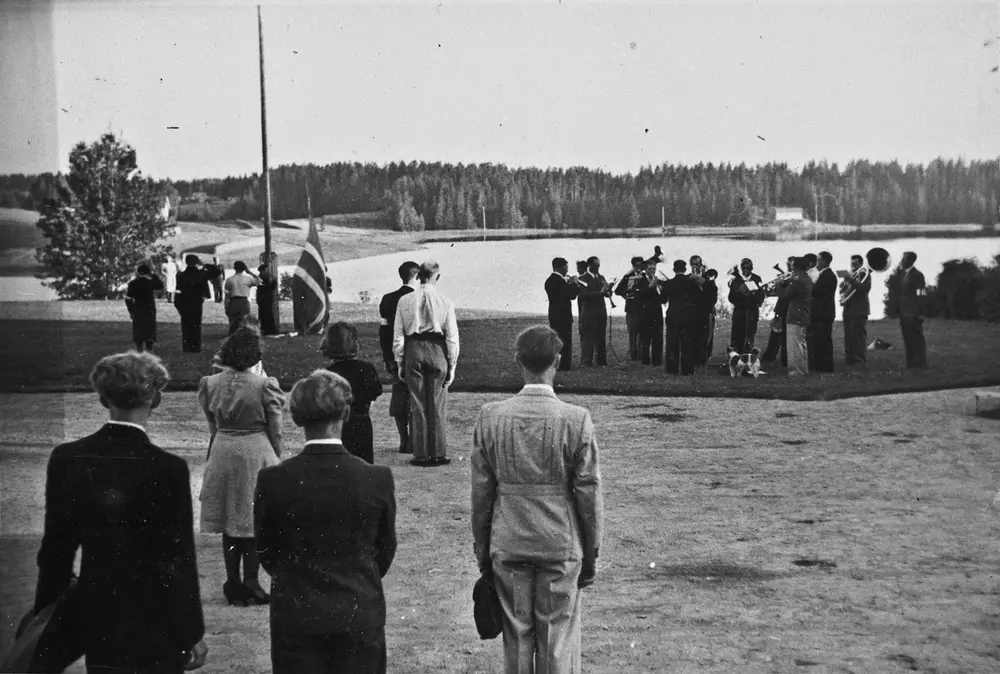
x=129 y=380
x=341 y=341
x=680 y=265
x=581 y=266
x=810 y=258
x=711 y=274
x=592 y=259
x=695 y=257
x=746 y=260
x=558 y=262
x=910 y=254
x=192 y=260
x=637 y=259
x=239 y=266
x=408 y=271
x=858 y=258
x=826 y=256
x=791 y=258
x=144 y=269
x=241 y=349
x=538 y=348
x=427 y=270
x=322 y=397
x=800 y=263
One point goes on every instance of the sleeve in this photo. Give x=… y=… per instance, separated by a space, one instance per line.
x=274 y=403
x=591 y=291
x=385 y=342
x=734 y=296
x=157 y=283
x=203 y=402
x=187 y=624
x=60 y=537
x=451 y=337
x=759 y=294
x=570 y=290
x=385 y=542
x=484 y=491
x=266 y=534
x=587 y=492
x=372 y=384
x=398 y=336
x=622 y=286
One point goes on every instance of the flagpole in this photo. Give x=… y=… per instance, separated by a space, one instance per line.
x=268 y=254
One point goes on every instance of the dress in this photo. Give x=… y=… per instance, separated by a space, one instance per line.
x=244 y=416
x=357 y=435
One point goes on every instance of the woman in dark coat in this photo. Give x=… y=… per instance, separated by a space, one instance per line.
x=341 y=345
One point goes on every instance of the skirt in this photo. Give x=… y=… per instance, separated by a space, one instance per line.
x=230 y=480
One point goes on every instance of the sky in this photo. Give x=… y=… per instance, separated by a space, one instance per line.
x=614 y=85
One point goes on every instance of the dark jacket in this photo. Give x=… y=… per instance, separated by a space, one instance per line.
x=824 y=296
x=325 y=525
x=387 y=310
x=127 y=505
x=140 y=295
x=592 y=298
x=192 y=286
x=561 y=294
x=743 y=300
x=859 y=304
x=674 y=294
x=905 y=300
x=797 y=290
x=623 y=289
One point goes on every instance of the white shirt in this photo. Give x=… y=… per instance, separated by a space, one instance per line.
x=425 y=310
x=324 y=441
x=126 y=423
x=813 y=274
x=543 y=387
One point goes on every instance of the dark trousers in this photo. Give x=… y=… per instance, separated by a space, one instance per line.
x=744 y=332
x=144 y=328
x=355 y=652
x=237 y=309
x=426 y=369
x=633 y=321
x=692 y=345
x=267 y=312
x=672 y=359
x=358 y=436
x=699 y=336
x=855 y=338
x=594 y=340
x=777 y=342
x=651 y=339
x=913 y=340
x=710 y=338
x=819 y=341
x=565 y=332
x=191 y=328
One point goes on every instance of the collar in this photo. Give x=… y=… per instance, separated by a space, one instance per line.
x=324 y=446
x=125 y=423
x=412 y=284
x=537 y=389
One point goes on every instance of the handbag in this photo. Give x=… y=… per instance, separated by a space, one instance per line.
x=777 y=325
x=486 y=608
x=50 y=641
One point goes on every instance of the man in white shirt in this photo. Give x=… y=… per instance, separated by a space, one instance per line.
x=425 y=345
x=238 y=287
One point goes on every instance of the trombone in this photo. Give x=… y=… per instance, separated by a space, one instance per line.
x=782 y=276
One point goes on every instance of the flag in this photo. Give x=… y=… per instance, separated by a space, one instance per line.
x=309 y=299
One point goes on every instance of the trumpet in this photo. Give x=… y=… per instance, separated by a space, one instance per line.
x=782 y=276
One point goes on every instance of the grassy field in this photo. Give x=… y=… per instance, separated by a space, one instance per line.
x=44 y=350
x=741 y=535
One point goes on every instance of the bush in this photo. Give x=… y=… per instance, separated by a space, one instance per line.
x=285 y=287
x=964 y=291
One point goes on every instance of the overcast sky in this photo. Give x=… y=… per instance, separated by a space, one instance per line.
x=612 y=85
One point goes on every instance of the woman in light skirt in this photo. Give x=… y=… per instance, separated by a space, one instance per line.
x=244 y=410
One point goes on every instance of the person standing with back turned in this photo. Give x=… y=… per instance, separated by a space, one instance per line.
x=562 y=290
x=399 y=402
x=425 y=344
x=537 y=511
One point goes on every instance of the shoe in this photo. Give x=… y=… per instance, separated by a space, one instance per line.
x=236 y=594
x=423 y=463
x=440 y=461
x=256 y=594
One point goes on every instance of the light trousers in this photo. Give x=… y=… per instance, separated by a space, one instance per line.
x=541 y=616
x=798 y=351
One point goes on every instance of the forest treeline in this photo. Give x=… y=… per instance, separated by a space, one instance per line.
x=435 y=196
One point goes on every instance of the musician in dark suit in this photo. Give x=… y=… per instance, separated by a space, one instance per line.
x=674 y=294
x=856 y=287
x=907 y=297
x=127 y=505
x=746 y=294
x=651 y=320
x=325 y=526
x=594 y=314
x=562 y=289
x=822 y=311
x=140 y=298
x=581 y=269
x=702 y=302
x=399 y=402
x=192 y=290
x=626 y=289
x=777 y=339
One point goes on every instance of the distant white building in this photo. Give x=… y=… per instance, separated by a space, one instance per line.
x=782 y=214
x=165 y=209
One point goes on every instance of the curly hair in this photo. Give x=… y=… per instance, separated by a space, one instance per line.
x=322 y=397
x=242 y=349
x=341 y=341
x=129 y=380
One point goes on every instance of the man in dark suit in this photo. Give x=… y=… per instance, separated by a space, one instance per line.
x=399 y=402
x=140 y=298
x=594 y=314
x=127 y=504
x=822 y=310
x=675 y=295
x=626 y=289
x=907 y=300
x=856 y=287
x=746 y=294
x=581 y=269
x=325 y=525
x=192 y=290
x=562 y=290
x=651 y=316
x=777 y=339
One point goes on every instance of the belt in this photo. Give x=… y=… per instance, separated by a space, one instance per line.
x=532 y=489
x=425 y=337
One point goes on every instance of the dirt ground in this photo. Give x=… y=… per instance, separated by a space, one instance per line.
x=846 y=536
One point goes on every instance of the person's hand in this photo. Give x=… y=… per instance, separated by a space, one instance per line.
x=449 y=380
x=400 y=374
x=587 y=574
x=199 y=652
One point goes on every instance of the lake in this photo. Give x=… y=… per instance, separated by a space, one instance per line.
x=509 y=275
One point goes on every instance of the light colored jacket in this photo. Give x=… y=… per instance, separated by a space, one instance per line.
x=536 y=481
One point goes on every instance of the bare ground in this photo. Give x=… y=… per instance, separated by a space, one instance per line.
x=847 y=536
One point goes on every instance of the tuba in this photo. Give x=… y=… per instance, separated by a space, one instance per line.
x=877 y=259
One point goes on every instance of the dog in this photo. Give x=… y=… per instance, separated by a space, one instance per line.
x=744 y=363
x=879 y=344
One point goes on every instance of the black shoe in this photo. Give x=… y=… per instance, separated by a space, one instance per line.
x=237 y=594
x=440 y=461
x=423 y=463
x=256 y=594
